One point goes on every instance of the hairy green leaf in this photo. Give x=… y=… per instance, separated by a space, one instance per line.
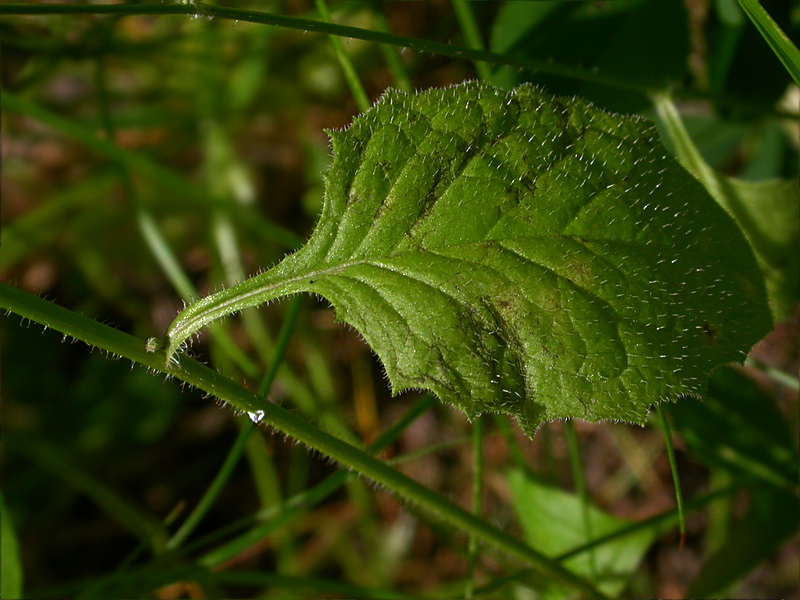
x=519 y=253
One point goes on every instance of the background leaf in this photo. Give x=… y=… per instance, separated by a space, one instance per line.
x=640 y=42
x=739 y=431
x=553 y=522
x=739 y=427
x=771 y=519
x=519 y=253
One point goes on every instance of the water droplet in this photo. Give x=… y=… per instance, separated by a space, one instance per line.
x=256 y=416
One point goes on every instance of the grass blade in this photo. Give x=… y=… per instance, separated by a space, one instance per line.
x=673 y=467
x=780 y=43
x=197 y=8
x=349 y=70
x=11 y=572
x=215 y=384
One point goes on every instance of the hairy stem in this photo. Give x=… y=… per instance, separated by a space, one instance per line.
x=192 y=372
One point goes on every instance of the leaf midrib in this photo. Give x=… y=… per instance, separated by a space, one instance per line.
x=261 y=293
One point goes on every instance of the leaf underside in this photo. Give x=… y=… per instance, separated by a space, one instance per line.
x=518 y=253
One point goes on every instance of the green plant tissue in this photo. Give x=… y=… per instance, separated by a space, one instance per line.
x=519 y=253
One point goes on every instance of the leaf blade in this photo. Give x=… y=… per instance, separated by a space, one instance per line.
x=514 y=252
x=554 y=522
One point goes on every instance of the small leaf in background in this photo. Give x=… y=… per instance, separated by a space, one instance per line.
x=518 y=253
x=641 y=42
x=553 y=522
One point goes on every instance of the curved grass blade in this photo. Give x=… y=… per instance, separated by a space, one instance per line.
x=780 y=43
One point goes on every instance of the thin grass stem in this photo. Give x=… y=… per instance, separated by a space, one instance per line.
x=472 y=35
x=579 y=480
x=281 y=516
x=673 y=467
x=349 y=71
x=198 y=8
x=281 y=346
x=477 y=503
x=212 y=493
x=400 y=77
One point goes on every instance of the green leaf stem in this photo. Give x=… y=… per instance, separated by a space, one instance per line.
x=518 y=253
x=213 y=383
